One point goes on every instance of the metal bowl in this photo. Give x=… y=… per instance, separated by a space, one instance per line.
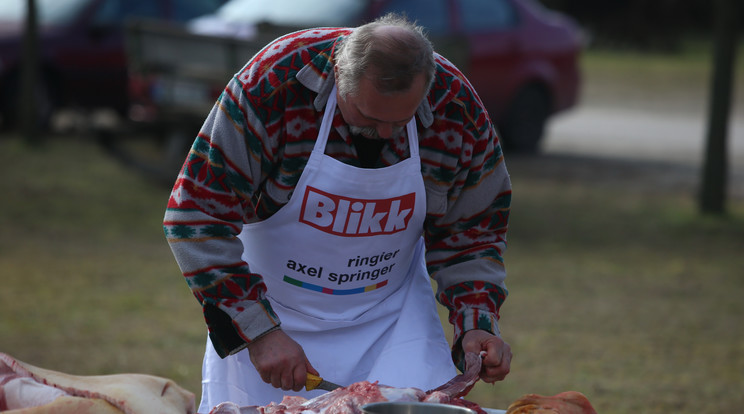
x=413 y=408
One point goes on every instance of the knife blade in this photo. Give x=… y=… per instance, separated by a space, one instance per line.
x=313 y=381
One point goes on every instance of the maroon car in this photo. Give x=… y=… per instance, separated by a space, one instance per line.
x=82 y=56
x=522 y=59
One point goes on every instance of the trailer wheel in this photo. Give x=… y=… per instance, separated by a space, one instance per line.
x=155 y=153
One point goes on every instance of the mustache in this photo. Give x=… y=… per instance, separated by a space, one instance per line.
x=367 y=132
x=371 y=132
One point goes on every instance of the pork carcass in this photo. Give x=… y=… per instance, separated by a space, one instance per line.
x=569 y=402
x=349 y=400
x=26 y=389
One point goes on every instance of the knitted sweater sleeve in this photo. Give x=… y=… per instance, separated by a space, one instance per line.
x=209 y=203
x=469 y=197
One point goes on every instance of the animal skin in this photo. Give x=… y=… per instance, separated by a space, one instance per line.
x=26 y=389
x=569 y=402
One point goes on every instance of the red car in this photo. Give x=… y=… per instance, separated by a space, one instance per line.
x=82 y=56
x=522 y=59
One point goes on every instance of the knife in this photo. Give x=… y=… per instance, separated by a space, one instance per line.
x=313 y=381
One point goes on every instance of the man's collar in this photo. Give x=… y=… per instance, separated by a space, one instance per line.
x=322 y=84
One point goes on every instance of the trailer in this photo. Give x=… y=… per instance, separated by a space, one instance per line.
x=175 y=77
x=177 y=74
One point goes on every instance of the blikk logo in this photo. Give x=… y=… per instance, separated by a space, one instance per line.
x=345 y=216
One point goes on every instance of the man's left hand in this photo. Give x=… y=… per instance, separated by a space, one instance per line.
x=497 y=360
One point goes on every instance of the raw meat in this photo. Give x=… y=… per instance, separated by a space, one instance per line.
x=569 y=402
x=349 y=400
x=28 y=389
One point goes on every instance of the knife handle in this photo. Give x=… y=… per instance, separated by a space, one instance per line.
x=312 y=382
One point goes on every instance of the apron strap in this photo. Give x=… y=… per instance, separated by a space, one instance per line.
x=413 y=143
x=325 y=125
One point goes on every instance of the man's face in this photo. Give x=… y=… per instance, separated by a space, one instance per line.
x=374 y=115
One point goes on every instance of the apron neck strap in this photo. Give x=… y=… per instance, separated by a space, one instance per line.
x=325 y=126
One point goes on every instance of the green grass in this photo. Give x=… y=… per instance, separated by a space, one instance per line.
x=89 y=283
x=625 y=294
x=630 y=298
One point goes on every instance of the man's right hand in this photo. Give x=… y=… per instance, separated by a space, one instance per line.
x=280 y=361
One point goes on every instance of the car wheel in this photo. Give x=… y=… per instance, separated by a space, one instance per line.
x=9 y=104
x=524 y=122
x=44 y=104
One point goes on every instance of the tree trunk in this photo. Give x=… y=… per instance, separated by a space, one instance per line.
x=715 y=169
x=29 y=77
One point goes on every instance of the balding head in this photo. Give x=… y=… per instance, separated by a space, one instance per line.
x=389 y=51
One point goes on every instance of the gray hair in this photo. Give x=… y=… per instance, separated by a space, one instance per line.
x=390 y=60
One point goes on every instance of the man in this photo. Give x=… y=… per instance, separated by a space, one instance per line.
x=297 y=218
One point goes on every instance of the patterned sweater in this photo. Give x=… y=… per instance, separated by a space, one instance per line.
x=250 y=153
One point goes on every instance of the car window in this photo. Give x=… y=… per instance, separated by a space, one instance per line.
x=49 y=12
x=114 y=12
x=307 y=13
x=432 y=14
x=188 y=9
x=485 y=15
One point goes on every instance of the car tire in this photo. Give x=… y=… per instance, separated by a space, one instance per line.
x=45 y=103
x=9 y=104
x=524 y=122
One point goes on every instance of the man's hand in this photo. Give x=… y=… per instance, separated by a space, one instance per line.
x=280 y=361
x=498 y=354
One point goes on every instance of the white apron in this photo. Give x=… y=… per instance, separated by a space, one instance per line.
x=343 y=263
